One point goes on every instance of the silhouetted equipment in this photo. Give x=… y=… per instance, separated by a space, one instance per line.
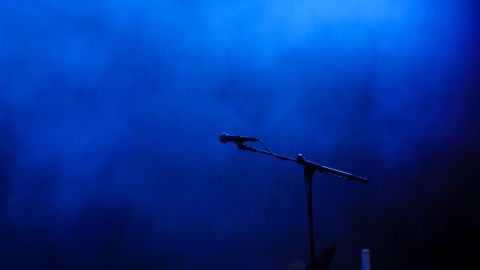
x=323 y=261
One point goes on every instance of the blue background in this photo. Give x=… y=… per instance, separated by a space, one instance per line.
x=110 y=113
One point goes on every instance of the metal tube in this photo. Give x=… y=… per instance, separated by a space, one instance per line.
x=365 y=259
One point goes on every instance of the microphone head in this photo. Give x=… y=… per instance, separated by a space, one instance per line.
x=223 y=137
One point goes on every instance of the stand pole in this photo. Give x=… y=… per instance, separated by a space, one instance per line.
x=308 y=173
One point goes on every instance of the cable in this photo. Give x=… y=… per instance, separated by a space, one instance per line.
x=260 y=141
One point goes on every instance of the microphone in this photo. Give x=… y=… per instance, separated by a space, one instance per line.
x=224 y=138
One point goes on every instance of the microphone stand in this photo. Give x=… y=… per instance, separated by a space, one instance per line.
x=309 y=168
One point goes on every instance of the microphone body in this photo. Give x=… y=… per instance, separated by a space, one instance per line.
x=224 y=138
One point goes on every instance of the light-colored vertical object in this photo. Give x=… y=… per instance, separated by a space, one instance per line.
x=365 y=259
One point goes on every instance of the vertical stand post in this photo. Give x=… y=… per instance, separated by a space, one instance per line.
x=308 y=173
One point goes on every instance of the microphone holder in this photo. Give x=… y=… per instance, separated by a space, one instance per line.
x=316 y=262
